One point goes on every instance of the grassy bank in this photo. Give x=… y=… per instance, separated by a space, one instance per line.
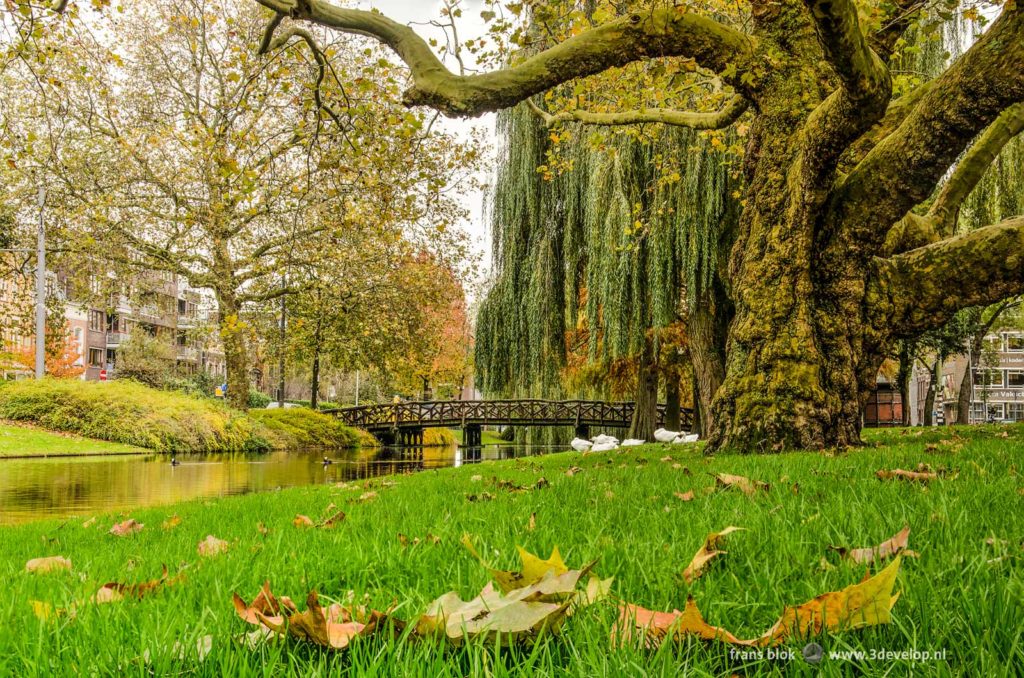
x=167 y=421
x=27 y=441
x=486 y=437
x=962 y=594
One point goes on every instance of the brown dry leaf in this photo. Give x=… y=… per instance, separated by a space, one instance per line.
x=541 y=483
x=123 y=529
x=572 y=470
x=886 y=549
x=684 y=496
x=334 y=627
x=666 y=458
x=404 y=541
x=746 y=485
x=171 y=522
x=706 y=553
x=49 y=564
x=115 y=591
x=333 y=521
x=367 y=496
x=532 y=524
x=795 y=489
x=637 y=623
x=302 y=521
x=262 y=529
x=211 y=546
x=901 y=474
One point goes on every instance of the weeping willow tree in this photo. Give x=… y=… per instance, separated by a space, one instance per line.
x=623 y=239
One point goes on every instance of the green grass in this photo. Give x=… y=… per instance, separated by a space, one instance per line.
x=132 y=414
x=486 y=437
x=24 y=441
x=619 y=510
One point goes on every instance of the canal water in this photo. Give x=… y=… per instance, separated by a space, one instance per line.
x=32 y=489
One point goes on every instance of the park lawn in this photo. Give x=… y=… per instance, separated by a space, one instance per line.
x=26 y=441
x=961 y=594
x=486 y=437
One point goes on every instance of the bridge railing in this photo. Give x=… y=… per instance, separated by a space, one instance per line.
x=524 y=412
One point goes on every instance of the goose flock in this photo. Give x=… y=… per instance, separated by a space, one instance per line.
x=607 y=443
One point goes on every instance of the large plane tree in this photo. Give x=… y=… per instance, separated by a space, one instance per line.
x=834 y=163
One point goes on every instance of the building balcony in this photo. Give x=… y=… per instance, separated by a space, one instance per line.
x=115 y=339
x=188 y=354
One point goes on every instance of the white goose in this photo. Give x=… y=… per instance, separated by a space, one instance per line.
x=632 y=442
x=684 y=438
x=604 y=447
x=580 y=445
x=603 y=439
x=663 y=436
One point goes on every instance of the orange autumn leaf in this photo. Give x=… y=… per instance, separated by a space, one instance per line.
x=684 y=496
x=123 y=529
x=50 y=564
x=302 y=521
x=745 y=485
x=115 y=591
x=706 y=553
x=172 y=522
x=888 y=548
x=901 y=474
x=333 y=627
x=211 y=546
x=637 y=623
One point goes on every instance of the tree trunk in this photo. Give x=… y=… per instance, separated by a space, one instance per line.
x=707 y=352
x=645 y=414
x=314 y=386
x=236 y=357
x=963 y=397
x=672 y=403
x=698 y=409
x=929 y=400
x=906 y=370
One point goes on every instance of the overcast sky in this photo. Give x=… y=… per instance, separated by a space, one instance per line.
x=419 y=13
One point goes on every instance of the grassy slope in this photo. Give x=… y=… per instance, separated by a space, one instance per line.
x=619 y=509
x=487 y=437
x=22 y=441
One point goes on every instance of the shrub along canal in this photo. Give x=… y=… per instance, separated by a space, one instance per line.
x=33 y=489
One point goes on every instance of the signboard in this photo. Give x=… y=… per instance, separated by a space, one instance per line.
x=103 y=375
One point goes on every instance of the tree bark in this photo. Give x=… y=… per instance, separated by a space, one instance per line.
x=672 y=404
x=314 y=386
x=707 y=353
x=236 y=356
x=963 y=396
x=906 y=371
x=645 y=413
x=929 y=400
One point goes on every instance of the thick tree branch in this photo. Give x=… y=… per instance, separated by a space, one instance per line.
x=864 y=76
x=884 y=39
x=669 y=31
x=921 y=289
x=972 y=166
x=270 y=43
x=903 y=169
x=712 y=120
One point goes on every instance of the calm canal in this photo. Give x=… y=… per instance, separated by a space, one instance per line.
x=32 y=489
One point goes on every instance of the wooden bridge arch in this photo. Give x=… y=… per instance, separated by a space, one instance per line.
x=407 y=420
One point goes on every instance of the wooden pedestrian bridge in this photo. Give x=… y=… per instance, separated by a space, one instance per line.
x=404 y=422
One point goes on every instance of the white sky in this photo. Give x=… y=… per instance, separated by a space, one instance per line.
x=418 y=13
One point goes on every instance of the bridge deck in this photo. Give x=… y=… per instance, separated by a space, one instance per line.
x=462 y=413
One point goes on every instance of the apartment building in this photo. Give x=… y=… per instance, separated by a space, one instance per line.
x=997 y=392
x=103 y=310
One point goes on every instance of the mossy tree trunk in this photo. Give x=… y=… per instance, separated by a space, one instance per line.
x=236 y=358
x=645 y=414
x=832 y=165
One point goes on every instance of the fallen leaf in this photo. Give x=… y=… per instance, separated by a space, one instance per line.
x=114 y=591
x=886 y=549
x=541 y=483
x=865 y=604
x=49 y=564
x=532 y=524
x=90 y=522
x=666 y=458
x=684 y=496
x=707 y=552
x=302 y=521
x=476 y=478
x=171 y=522
x=520 y=614
x=130 y=526
x=367 y=496
x=262 y=529
x=211 y=546
x=746 y=485
x=333 y=521
x=533 y=567
x=901 y=474
x=483 y=496
x=572 y=470
x=637 y=623
x=334 y=627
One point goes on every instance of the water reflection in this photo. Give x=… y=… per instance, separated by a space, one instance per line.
x=31 y=489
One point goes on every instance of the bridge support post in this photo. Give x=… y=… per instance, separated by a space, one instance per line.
x=583 y=431
x=472 y=435
x=410 y=437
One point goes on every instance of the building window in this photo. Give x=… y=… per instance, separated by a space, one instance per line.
x=96 y=321
x=1015 y=411
x=95 y=357
x=993 y=343
x=1015 y=342
x=1015 y=378
x=988 y=378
